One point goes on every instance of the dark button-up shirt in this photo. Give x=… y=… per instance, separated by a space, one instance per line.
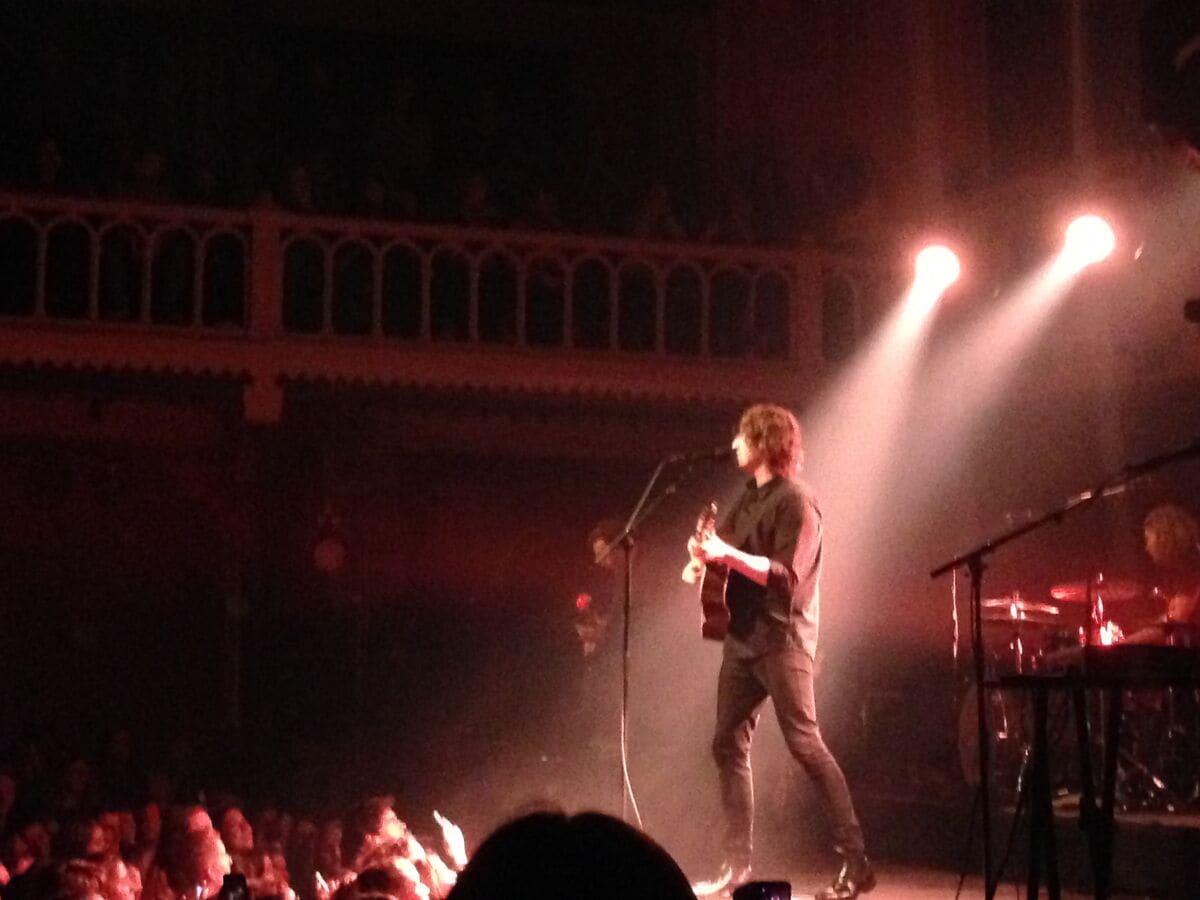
x=782 y=522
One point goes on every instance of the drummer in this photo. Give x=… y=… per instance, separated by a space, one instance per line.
x=1173 y=544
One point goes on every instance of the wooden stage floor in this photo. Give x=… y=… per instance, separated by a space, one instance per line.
x=917 y=883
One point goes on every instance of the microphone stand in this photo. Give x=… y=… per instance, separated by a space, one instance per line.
x=641 y=511
x=973 y=560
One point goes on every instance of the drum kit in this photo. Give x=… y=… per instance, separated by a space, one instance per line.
x=1159 y=765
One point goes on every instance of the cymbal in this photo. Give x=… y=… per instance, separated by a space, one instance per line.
x=1110 y=590
x=1015 y=610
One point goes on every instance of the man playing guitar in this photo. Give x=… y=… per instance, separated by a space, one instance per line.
x=770 y=545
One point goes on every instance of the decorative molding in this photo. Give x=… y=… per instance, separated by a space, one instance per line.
x=749 y=325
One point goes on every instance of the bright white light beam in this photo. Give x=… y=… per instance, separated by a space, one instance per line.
x=936 y=268
x=1088 y=240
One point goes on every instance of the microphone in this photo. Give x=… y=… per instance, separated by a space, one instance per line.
x=714 y=455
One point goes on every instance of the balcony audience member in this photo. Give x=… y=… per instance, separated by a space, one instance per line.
x=373 y=199
x=205 y=184
x=378 y=199
x=295 y=101
x=324 y=172
x=49 y=168
x=734 y=221
x=126 y=252
x=401 y=138
x=489 y=141
x=149 y=177
x=314 y=113
x=656 y=220
x=298 y=195
x=254 y=122
x=541 y=211
x=596 y=198
x=476 y=203
x=773 y=200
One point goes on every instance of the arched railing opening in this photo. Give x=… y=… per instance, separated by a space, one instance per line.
x=401 y=302
x=450 y=296
x=684 y=316
x=223 y=297
x=497 y=300
x=545 y=303
x=638 y=299
x=731 y=322
x=591 y=305
x=69 y=290
x=353 y=289
x=772 y=317
x=18 y=267
x=838 y=318
x=122 y=267
x=275 y=273
x=304 y=286
x=173 y=277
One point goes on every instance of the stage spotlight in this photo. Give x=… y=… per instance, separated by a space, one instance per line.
x=936 y=269
x=1089 y=240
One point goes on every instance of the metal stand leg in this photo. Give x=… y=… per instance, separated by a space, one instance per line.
x=1103 y=838
x=1042 y=845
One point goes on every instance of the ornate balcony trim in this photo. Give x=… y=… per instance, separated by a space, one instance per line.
x=94 y=288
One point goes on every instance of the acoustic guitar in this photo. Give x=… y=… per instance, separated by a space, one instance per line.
x=710 y=582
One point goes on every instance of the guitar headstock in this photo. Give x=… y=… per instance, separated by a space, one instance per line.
x=706 y=522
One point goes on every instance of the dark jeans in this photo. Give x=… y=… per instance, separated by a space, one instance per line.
x=786 y=676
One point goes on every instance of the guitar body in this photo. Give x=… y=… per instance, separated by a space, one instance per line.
x=714 y=622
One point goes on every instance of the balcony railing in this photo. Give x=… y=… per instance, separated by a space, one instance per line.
x=270 y=296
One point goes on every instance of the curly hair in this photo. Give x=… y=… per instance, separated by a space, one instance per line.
x=605 y=530
x=774 y=432
x=1176 y=532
